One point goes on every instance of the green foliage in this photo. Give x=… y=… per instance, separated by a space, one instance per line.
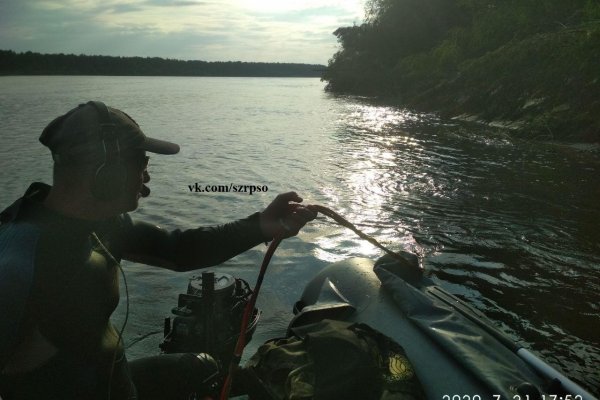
x=410 y=25
x=394 y=30
x=591 y=14
x=498 y=22
x=491 y=58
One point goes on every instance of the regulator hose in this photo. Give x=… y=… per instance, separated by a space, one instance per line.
x=345 y=223
x=241 y=342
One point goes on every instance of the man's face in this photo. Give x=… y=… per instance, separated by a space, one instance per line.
x=136 y=166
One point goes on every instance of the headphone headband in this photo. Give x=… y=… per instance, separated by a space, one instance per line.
x=108 y=133
x=110 y=175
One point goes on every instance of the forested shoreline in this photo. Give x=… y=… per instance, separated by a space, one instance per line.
x=534 y=64
x=28 y=63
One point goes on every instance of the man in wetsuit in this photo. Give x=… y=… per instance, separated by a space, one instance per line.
x=60 y=249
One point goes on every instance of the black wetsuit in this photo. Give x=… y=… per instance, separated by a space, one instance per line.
x=56 y=276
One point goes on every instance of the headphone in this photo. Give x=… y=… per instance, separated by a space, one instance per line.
x=111 y=175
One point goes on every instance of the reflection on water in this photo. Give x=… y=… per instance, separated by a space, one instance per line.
x=509 y=226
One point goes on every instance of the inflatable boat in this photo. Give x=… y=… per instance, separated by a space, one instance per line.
x=455 y=351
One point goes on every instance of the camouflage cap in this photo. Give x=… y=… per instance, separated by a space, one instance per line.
x=78 y=134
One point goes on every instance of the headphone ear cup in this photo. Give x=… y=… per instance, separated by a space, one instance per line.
x=109 y=181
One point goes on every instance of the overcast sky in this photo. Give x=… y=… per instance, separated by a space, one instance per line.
x=210 y=30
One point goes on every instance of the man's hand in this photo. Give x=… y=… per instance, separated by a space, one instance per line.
x=284 y=218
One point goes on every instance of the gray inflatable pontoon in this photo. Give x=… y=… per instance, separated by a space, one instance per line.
x=456 y=352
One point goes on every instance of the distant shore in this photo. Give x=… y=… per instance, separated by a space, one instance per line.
x=29 y=63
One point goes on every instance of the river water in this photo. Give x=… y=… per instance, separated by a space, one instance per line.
x=509 y=226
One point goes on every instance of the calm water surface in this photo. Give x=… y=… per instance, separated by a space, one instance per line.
x=511 y=227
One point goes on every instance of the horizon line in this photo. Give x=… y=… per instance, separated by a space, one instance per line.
x=163 y=58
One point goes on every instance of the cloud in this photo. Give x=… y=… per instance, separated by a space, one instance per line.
x=176 y=3
x=245 y=30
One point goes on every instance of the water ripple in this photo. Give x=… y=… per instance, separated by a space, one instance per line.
x=509 y=226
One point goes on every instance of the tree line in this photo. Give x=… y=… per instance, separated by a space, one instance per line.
x=29 y=63
x=499 y=59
